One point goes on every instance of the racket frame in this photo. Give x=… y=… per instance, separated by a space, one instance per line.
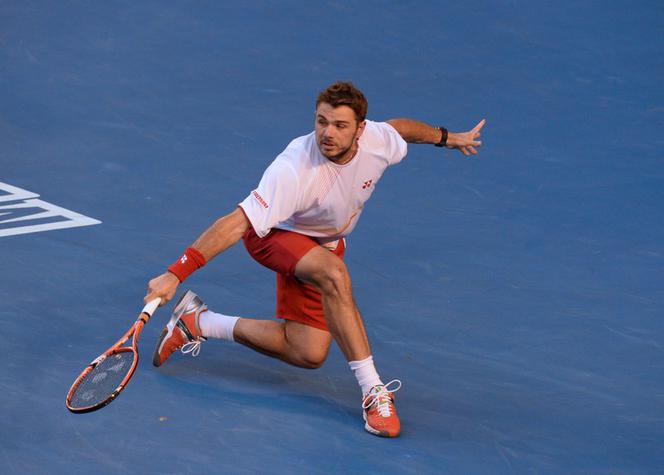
x=134 y=333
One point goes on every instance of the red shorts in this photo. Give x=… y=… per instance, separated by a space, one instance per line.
x=281 y=251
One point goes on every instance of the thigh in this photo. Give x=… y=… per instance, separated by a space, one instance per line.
x=300 y=302
x=319 y=262
x=309 y=343
x=280 y=250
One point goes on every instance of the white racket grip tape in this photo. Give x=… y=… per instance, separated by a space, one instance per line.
x=151 y=306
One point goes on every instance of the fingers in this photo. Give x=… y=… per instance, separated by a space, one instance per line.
x=466 y=142
x=470 y=143
x=479 y=126
x=152 y=295
x=162 y=287
x=468 y=150
x=469 y=140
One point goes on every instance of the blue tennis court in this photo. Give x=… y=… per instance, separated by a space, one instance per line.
x=518 y=295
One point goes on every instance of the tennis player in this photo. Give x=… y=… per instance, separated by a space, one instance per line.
x=295 y=223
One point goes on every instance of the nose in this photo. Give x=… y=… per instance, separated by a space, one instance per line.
x=329 y=132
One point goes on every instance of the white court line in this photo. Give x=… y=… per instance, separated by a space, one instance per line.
x=15 y=193
x=27 y=199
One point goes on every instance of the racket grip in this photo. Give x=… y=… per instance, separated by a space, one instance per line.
x=151 y=307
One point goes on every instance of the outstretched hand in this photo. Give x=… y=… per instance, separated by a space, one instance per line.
x=466 y=142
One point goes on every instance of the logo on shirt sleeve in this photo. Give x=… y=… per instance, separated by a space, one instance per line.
x=367 y=184
x=260 y=199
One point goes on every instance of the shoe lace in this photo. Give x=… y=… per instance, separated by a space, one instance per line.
x=380 y=396
x=193 y=347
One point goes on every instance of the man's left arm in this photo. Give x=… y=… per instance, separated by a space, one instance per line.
x=413 y=131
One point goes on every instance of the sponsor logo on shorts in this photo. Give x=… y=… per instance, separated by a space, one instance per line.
x=260 y=199
x=22 y=213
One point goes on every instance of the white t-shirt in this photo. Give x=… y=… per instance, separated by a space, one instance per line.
x=303 y=191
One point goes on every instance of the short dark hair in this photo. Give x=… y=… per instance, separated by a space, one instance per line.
x=344 y=93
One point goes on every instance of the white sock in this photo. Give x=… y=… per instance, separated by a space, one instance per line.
x=217 y=325
x=366 y=374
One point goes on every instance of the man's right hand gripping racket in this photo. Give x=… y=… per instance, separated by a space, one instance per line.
x=103 y=379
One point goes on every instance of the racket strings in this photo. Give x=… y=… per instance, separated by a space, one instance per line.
x=101 y=383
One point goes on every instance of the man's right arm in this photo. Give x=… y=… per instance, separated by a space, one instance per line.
x=225 y=232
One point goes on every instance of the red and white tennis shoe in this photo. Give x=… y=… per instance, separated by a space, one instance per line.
x=182 y=331
x=380 y=415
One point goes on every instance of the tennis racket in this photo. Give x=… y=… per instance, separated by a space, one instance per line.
x=103 y=379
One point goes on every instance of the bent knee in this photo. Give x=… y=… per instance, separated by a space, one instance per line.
x=325 y=271
x=311 y=364
x=310 y=360
x=335 y=280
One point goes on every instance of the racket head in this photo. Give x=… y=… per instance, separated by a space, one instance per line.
x=102 y=380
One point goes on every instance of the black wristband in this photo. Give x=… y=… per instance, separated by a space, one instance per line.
x=443 y=138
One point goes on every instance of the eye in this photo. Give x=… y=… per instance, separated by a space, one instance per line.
x=341 y=126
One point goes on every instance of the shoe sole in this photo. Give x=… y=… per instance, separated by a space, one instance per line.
x=178 y=310
x=163 y=336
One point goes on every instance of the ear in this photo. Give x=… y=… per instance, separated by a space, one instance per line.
x=360 y=129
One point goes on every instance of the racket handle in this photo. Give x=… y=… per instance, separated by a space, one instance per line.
x=151 y=307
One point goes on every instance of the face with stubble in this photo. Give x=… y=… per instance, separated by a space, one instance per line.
x=337 y=132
